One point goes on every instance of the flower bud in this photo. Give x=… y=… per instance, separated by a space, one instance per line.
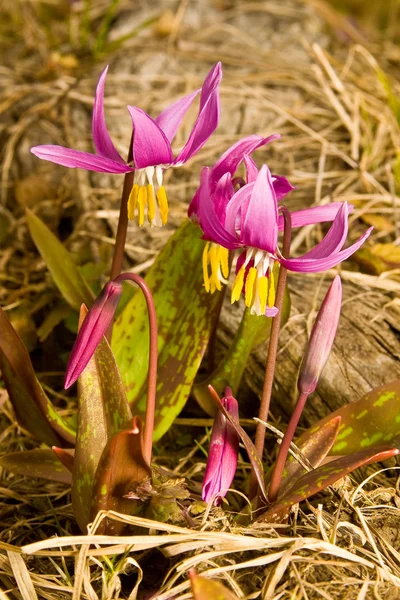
x=321 y=339
x=93 y=328
x=223 y=453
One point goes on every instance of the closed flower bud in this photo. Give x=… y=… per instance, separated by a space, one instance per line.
x=321 y=339
x=223 y=453
x=93 y=328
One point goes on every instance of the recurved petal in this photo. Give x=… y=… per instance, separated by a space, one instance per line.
x=170 y=119
x=213 y=230
x=150 y=144
x=281 y=186
x=315 y=214
x=230 y=160
x=335 y=238
x=208 y=117
x=251 y=168
x=101 y=137
x=80 y=160
x=316 y=265
x=236 y=206
x=260 y=219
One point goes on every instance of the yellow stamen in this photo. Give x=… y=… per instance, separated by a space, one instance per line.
x=142 y=201
x=263 y=293
x=271 y=291
x=238 y=285
x=205 y=267
x=163 y=204
x=151 y=208
x=214 y=262
x=224 y=261
x=132 y=201
x=249 y=287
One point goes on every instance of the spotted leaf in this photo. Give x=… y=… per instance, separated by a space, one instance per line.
x=41 y=462
x=186 y=317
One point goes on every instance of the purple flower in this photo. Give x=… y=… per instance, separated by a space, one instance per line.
x=321 y=339
x=93 y=328
x=223 y=453
x=248 y=220
x=151 y=146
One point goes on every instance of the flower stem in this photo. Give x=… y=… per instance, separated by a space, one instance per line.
x=272 y=352
x=122 y=228
x=287 y=439
x=153 y=357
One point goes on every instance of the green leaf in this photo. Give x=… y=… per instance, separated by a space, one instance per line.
x=63 y=269
x=248 y=444
x=314 y=449
x=121 y=468
x=186 y=317
x=205 y=589
x=103 y=410
x=33 y=409
x=253 y=330
x=313 y=482
x=41 y=462
x=367 y=422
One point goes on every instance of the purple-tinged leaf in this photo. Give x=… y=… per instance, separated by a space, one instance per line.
x=33 y=409
x=373 y=419
x=121 y=468
x=248 y=444
x=314 y=450
x=65 y=457
x=63 y=269
x=41 y=462
x=207 y=589
x=103 y=410
x=315 y=481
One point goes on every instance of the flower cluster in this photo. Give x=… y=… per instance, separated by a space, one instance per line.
x=247 y=219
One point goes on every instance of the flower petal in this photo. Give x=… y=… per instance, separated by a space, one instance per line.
x=315 y=214
x=212 y=228
x=281 y=186
x=234 y=208
x=222 y=195
x=150 y=144
x=251 y=168
x=101 y=137
x=231 y=159
x=170 y=119
x=260 y=218
x=335 y=238
x=208 y=117
x=316 y=265
x=77 y=159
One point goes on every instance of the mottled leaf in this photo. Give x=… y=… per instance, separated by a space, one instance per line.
x=41 y=462
x=209 y=589
x=103 y=410
x=253 y=330
x=33 y=409
x=186 y=316
x=313 y=482
x=314 y=449
x=371 y=420
x=121 y=468
x=63 y=269
x=248 y=444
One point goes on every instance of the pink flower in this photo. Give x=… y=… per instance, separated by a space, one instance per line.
x=93 y=328
x=321 y=339
x=223 y=453
x=248 y=220
x=151 y=146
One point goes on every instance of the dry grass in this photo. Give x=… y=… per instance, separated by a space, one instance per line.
x=297 y=67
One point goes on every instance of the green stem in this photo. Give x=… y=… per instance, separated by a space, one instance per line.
x=153 y=358
x=272 y=353
x=287 y=439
